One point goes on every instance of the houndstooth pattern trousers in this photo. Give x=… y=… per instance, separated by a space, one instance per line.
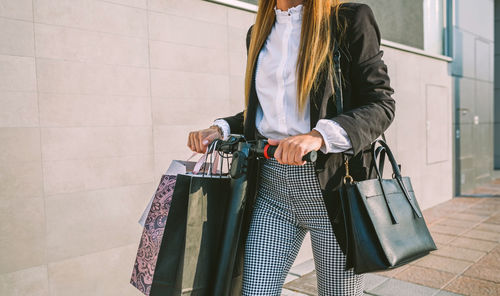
x=289 y=203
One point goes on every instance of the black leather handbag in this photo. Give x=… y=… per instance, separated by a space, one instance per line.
x=383 y=222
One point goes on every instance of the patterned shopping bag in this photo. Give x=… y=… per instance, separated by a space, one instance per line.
x=152 y=234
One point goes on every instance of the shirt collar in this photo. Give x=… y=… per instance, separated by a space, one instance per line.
x=293 y=14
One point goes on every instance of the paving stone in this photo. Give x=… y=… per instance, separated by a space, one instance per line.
x=392 y=272
x=446 y=293
x=290 y=277
x=306 y=284
x=442 y=238
x=493 y=220
x=286 y=292
x=470 y=286
x=447 y=229
x=484 y=272
x=459 y=253
x=373 y=280
x=480 y=211
x=444 y=264
x=469 y=217
x=432 y=215
x=302 y=268
x=393 y=287
x=488 y=227
x=497 y=249
x=474 y=244
x=425 y=276
x=457 y=223
x=483 y=235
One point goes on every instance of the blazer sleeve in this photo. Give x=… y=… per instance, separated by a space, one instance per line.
x=236 y=122
x=372 y=107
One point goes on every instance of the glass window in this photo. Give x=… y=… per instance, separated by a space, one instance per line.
x=250 y=5
x=400 y=21
x=416 y=23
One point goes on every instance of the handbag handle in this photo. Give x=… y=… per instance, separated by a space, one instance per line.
x=396 y=172
x=379 y=151
x=384 y=148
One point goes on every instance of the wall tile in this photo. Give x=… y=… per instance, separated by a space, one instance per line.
x=93 y=15
x=237 y=40
x=95 y=142
x=195 y=9
x=463 y=54
x=67 y=176
x=483 y=60
x=91 y=79
x=27 y=282
x=187 y=111
x=189 y=85
x=18 y=109
x=17 y=9
x=22 y=228
x=62 y=43
x=19 y=144
x=185 y=30
x=468 y=14
x=102 y=273
x=93 y=110
x=174 y=138
x=16 y=38
x=20 y=180
x=236 y=94
x=134 y=3
x=465 y=96
x=179 y=57
x=237 y=63
x=484 y=101
x=241 y=19
x=85 y=222
x=438 y=121
x=18 y=73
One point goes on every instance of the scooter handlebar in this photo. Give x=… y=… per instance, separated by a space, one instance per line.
x=269 y=153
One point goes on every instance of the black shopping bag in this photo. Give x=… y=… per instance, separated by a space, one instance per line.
x=190 y=252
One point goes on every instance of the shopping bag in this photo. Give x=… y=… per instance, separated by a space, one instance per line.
x=154 y=219
x=384 y=224
x=191 y=247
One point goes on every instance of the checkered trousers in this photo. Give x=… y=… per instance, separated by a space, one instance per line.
x=288 y=204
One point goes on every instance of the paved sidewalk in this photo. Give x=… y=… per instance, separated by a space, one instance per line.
x=467 y=262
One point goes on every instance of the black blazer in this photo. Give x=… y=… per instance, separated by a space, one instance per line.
x=368 y=108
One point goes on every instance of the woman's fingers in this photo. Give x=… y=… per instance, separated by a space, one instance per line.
x=198 y=141
x=290 y=151
x=191 y=144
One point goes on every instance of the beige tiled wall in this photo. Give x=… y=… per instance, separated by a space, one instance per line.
x=98 y=96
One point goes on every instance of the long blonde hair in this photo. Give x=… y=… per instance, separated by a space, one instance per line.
x=314 y=49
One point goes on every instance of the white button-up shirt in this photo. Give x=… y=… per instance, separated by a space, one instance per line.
x=277 y=115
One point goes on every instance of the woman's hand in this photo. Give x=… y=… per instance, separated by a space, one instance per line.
x=291 y=150
x=198 y=141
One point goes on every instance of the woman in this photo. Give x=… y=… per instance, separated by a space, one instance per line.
x=288 y=101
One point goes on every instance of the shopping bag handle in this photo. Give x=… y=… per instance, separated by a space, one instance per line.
x=203 y=159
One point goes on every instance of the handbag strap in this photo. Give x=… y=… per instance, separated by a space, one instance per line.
x=339 y=104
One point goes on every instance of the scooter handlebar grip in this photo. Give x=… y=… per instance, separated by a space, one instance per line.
x=269 y=153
